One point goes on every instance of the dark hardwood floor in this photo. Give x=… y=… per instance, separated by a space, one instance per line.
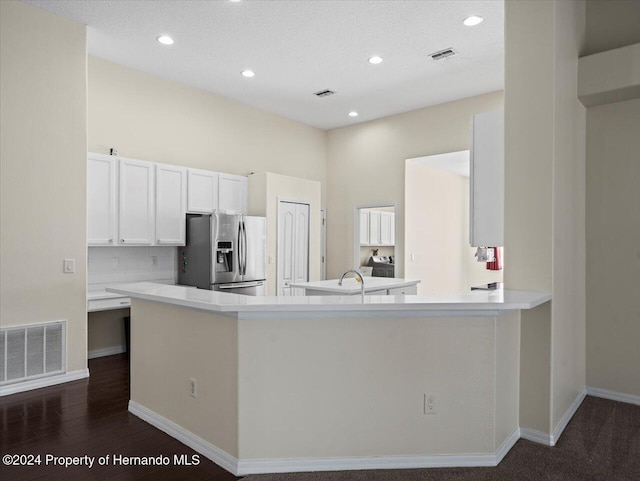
x=90 y=417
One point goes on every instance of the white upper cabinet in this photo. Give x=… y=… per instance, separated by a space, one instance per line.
x=364 y=227
x=102 y=227
x=171 y=204
x=486 y=197
x=381 y=228
x=232 y=193
x=136 y=196
x=386 y=227
x=203 y=191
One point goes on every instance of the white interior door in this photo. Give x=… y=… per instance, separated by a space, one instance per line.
x=293 y=247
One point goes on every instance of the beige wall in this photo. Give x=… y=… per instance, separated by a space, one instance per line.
x=544 y=194
x=568 y=325
x=43 y=147
x=613 y=247
x=437 y=233
x=264 y=191
x=348 y=370
x=169 y=347
x=611 y=24
x=366 y=165
x=150 y=118
x=106 y=329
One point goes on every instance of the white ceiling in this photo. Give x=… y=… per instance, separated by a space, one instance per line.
x=297 y=47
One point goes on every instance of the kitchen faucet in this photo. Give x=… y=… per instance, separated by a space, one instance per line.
x=357 y=273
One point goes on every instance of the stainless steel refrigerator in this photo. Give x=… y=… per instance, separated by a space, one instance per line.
x=225 y=252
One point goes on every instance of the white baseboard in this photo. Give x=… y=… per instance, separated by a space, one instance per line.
x=215 y=454
x=269 y=466
x=43 y=382
x=539 y=437
x=557 y=432
x=507 y=445
x=107 y=351
x=535 y=436
x=614 y=395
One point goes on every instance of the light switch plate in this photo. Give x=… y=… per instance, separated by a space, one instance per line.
x=69 y=266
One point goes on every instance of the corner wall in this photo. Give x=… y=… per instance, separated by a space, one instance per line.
x=366 y=165
x=544 y=197
x=151 y=118
x=613 y=247
x=43 y=148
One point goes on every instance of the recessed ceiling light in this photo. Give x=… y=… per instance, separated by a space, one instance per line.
x=234 y=1
x=472 y=21
x=248 y=73
x=165 y=40
x=353 y=113
x=375 y=60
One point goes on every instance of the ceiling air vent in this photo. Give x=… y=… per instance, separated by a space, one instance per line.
x=447 y=52
x=323 y=93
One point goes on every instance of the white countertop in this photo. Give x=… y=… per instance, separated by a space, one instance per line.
x=473 y=303
x=351 y=286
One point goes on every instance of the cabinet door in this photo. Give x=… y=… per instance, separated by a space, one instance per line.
x=135 y=224
x=202 y=191
x=171 y=203
x=101 y=200
x=374 y=228
x=392 y=223
x=486 y=196
x=232 y=193
x=385 y=228
x=364 y=227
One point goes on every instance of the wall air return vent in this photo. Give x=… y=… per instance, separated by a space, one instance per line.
x=32 y=351
x=442 y=54
x=324 y=93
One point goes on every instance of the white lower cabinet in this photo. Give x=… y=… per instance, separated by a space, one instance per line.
x=408 y=291
x=136 y=196
x=171 y=204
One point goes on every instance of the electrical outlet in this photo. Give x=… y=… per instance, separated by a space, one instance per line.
x=430 y=404
x=193 y=388
x=154 y=260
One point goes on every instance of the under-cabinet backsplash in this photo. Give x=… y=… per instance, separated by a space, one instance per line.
x=131 y=264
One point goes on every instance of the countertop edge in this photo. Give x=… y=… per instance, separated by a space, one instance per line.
x=342 y=304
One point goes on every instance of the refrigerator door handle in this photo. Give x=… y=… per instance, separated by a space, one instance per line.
x=240 y=285
x=244 y=249
x=240 y=249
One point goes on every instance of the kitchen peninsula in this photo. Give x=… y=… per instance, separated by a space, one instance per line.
x=279 y=384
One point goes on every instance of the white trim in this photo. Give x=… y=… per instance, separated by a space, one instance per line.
x=270 y=466
x=215 y=454
x=557 y=432
x=107 y=351
x=551 y=439
x=614 y=395
x=43 y=382
x=266 y=466
x=506 y=446
x=535 y=436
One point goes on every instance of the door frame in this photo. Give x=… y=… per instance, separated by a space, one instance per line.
x=356 y=228
x=290 y=201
